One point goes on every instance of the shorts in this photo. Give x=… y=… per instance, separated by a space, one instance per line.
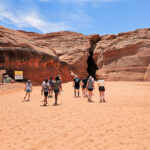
x=77 y=87
x=45 y=94
x=90 y=89
x=28 y=90
x=56 y=90
x=84 y=86
x=102 y=89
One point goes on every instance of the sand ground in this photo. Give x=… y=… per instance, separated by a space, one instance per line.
x=123 y=123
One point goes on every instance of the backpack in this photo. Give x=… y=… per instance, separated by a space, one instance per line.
x=56 y=85
x=90 y=83
x=51 y=83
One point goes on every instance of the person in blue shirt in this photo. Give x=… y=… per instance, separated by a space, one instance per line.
x=76 y=85
x=50 y=92
x=28 y=89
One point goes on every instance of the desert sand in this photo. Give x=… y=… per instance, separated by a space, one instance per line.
x=123 y=123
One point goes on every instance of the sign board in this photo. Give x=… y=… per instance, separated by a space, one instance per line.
x=18 y=75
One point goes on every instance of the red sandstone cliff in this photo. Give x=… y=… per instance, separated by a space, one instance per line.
x=45 y=55
x=18 y=51
x=125 y=56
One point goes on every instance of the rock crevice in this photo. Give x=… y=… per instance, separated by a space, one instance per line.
x=125 y=56
x=91 y=65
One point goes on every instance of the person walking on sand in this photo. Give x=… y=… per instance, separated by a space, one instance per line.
x=76 y=85
x=101 y=87
x=28 y=89
x=84 y=83
x=59 y=79
x=45 y=88
x=56 y=87
x=51 y=87
x=90 y=87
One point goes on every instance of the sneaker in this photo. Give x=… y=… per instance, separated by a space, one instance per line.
x=89 y=99
x=104 y=100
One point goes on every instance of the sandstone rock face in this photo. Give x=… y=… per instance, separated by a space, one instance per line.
x=125 y=56
x=43 y=55
x=70 y=47
x=18 y=51
x=36 y=66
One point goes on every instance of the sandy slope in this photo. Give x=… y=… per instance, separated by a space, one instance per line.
x=123 y=123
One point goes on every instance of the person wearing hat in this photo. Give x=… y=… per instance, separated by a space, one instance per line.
x=45 y=89
x=28 y=89
x=90 y=87
x=101 y=88
x=59 y=79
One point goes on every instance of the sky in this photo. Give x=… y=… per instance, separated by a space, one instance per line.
x=83 y=16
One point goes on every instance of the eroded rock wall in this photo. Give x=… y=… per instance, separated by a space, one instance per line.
x=36 y=66
x=125 y=56
x=68 y=47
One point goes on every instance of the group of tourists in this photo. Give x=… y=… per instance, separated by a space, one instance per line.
x=88 y=85
x=50 y=86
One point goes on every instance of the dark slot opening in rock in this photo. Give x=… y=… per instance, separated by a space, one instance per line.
x=92 y=67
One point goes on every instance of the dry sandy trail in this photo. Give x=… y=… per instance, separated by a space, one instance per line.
x=123 y=123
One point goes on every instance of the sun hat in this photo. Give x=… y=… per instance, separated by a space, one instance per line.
x=90 y=77
x=29 y=81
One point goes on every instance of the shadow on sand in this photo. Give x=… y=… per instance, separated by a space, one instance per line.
x=44 y=105
x=90 y=101
x=26 y=100
x=57 y=104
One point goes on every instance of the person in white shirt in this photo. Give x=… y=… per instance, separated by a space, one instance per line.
x=101 y=87
x=28 y=89
x=45 y=89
